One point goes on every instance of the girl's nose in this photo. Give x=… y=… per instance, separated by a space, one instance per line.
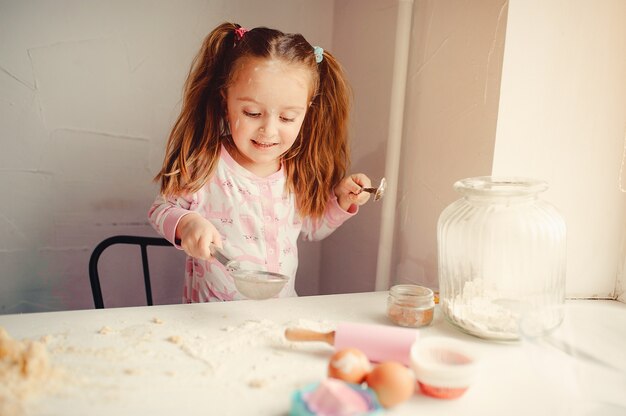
x=269 y=127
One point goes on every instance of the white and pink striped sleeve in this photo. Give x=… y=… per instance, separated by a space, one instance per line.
x=165 y=213
x=334 y=216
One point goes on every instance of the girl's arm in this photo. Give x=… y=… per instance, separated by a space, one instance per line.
x=166 y=213
x=343 y=204
x=175 y=219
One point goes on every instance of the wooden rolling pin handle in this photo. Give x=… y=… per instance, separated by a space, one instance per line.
x=299 y=334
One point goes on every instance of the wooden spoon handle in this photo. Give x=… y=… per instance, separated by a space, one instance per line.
x=299 y=334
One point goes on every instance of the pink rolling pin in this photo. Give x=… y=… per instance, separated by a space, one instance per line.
x=378 y=342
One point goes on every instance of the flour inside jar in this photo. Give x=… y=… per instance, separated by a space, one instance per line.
x=483 y=311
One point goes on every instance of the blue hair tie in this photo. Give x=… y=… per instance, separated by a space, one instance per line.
x=319 y=54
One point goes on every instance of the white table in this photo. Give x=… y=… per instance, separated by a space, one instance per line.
x=231 y=359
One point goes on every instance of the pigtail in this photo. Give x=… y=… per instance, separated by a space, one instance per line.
x=194 y=143
x=323 y=149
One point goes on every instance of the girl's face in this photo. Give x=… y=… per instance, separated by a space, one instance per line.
x=265 y=105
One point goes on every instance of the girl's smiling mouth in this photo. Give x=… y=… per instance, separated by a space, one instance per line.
x=264 y=145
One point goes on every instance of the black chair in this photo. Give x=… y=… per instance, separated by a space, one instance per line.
x=142 y=242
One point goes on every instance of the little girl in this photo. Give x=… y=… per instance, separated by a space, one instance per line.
x=257 y=156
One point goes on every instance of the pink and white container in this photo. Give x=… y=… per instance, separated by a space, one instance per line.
x=444 y=367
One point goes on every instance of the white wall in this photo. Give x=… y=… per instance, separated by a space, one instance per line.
x=89 y=91
x=450 y=121
x=562 y=118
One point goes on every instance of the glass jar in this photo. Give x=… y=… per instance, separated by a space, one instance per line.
x=410 y=305
x=501 y=253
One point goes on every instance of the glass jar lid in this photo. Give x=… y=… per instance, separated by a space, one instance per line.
x=500 y=186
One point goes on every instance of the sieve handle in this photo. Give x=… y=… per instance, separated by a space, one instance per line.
x=220 y=256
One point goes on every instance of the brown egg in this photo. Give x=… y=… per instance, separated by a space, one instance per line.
x=350 y=365
x=392 y=382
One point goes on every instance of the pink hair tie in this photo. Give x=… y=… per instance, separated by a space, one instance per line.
x=239 y=32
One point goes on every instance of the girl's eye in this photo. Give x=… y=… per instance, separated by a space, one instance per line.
x=250 y=114
x=288 y=120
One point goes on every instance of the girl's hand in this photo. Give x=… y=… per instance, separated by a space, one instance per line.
x=196 y=234
x=349 y=193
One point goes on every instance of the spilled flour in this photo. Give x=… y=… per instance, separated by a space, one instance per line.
x=25 y=372
x=111 y=363
x=254 y=354
x=263 y=337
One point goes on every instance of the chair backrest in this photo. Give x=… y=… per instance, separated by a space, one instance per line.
x=142 y=242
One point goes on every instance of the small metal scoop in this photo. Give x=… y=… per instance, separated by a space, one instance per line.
x=253 y=284
x=378 y=192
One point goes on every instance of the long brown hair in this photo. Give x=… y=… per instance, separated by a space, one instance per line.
x=318 y=159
